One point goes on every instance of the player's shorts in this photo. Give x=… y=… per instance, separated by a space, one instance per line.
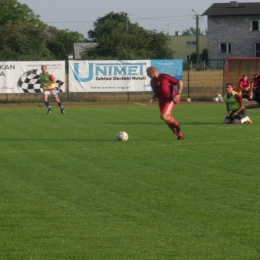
x=50 y=92
x=245 y=90
x=256 y=96
x=239 y=116
x=166 y=107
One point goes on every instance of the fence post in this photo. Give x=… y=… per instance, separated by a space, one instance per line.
x=67 y=77
x=188 y=81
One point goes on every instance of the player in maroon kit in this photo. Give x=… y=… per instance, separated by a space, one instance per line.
x=256 y=96
x=245 y=87
x=163 y=86
x=253 y=84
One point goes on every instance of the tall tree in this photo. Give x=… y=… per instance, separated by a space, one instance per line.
x=105 y=25
x=22 y=33
x=193 y=57
x=118 y=38
x=192 y=31
x=204 y=55
x=60 y=42
x=12 y=10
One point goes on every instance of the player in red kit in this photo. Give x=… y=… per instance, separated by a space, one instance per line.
x=163 y=86
x=245 y=87
x=256 y=96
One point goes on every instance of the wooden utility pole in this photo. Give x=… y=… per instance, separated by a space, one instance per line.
x=197 y=37
x=126 y=23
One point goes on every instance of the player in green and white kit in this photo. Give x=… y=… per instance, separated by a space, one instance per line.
x=236 y=113
x=48 y=83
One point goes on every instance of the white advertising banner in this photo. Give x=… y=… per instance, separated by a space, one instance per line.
x=117 y=76
x=23 y=76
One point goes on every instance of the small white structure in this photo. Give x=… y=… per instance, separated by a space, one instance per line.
x=80 y=47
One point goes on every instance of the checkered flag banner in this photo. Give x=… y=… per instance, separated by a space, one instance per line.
x=29 y=82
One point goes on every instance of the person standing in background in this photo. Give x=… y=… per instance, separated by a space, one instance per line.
x=245 y=87
x=48 y=83
x=256 y=96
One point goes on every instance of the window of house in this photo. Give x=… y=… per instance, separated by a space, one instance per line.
x=255 y=25
x=191 y=43
x=257 y=49
x=187 y=57
x=225 y=47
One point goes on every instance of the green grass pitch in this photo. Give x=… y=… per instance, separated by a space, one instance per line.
x=69 y=190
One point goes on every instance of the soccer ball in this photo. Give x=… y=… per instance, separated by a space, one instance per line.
x=188 y=99
x=217 y=98
x=122 y=136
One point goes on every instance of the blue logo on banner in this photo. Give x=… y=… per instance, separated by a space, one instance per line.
x=76 y=73
x=110 y=69
x=171 y=67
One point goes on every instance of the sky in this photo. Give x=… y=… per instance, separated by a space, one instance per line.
x=168 y=16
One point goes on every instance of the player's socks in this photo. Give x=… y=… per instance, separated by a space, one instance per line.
x=177 y=130
x=61 y=107
x=174 y=122
x=49 y=110
x=175 y=126
x=179 y=134
x=47 y=104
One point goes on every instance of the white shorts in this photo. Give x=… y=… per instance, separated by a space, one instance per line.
x=50 y=92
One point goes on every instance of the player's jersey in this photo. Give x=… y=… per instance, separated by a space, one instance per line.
x=163 y=86
x=256 y=96
x=257 y=82
x=45 y=78
x=244 y=84
x=233 y=101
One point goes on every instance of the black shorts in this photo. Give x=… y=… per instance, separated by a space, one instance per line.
x=239 y=116
x=256 y=97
